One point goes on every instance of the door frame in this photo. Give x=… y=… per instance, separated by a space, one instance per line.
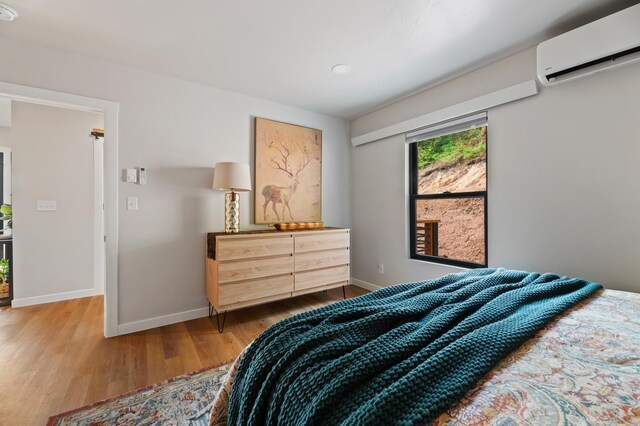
x=111 y=179
x=99 y=262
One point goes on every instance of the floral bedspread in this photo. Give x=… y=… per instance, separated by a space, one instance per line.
x=581 y=369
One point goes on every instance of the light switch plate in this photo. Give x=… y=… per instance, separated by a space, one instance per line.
x=132 y=203
x=132 y=175
x=46 y=206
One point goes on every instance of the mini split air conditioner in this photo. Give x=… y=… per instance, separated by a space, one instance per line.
x=607 y=43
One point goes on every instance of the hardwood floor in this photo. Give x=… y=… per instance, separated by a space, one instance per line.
x=54 y=357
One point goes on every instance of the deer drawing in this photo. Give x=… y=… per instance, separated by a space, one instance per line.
x=282 y=194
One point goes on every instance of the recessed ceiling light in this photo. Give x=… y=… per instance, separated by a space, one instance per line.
x=341 y=69
x=7 y=13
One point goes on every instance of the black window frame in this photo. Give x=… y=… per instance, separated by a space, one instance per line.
x=414 y=196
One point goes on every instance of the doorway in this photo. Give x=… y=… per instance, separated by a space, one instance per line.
x=53 y=193
x=105 y=217
x=6 y=241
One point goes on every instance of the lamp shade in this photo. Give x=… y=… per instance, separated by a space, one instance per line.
x=232 y=176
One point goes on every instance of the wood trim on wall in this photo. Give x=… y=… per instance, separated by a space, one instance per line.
x=481 y=103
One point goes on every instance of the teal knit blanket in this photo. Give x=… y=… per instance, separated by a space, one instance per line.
x=399 y=355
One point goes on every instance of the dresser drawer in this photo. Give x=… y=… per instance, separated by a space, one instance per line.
x=314 y=242
x=252 y=268
x=244 y=248
x=256 y=268
x=321 y=277
x=321 y=259
x=255 y=289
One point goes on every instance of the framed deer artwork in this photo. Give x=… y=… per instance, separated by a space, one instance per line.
x=288 y=173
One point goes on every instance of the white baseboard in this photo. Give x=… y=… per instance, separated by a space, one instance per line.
x=146 y=324
x=365 y=285
x=57 y=297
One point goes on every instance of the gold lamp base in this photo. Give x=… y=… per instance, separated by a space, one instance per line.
x=231 y=213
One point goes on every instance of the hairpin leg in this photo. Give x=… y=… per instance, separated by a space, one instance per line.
x=224 y=318
x=344 y=293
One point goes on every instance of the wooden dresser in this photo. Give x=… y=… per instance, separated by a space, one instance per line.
x=254 y=267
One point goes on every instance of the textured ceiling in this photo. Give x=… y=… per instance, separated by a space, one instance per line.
x=283 y=50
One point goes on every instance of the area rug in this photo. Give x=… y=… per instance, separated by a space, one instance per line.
x=183 y=400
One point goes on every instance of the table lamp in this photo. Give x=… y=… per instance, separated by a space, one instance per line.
x=234 y=177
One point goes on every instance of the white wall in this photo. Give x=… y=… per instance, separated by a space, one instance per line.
x=5 y=114
x=178 y=130
x=52 y=160
x=5 y=136
x=563 y=178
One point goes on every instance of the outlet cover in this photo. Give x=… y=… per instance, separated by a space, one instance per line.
x=46 y=206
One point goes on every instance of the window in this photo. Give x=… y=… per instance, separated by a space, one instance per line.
x=448 y=199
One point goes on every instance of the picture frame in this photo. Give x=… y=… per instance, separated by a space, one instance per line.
x=288 y=173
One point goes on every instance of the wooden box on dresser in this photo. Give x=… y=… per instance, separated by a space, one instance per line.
x=254 y=267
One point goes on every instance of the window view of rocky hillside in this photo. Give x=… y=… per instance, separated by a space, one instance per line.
x=455 y=163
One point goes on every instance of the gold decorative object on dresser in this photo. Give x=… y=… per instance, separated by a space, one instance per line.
x=254 y=267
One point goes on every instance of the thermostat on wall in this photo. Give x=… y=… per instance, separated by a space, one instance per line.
x=132 y=176
x=142 y=175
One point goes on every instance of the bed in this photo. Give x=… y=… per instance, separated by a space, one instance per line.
x=581 y=368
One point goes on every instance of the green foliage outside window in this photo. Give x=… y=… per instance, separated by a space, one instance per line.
x=454 y=148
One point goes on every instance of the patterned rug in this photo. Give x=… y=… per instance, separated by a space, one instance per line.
x=183 y=400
